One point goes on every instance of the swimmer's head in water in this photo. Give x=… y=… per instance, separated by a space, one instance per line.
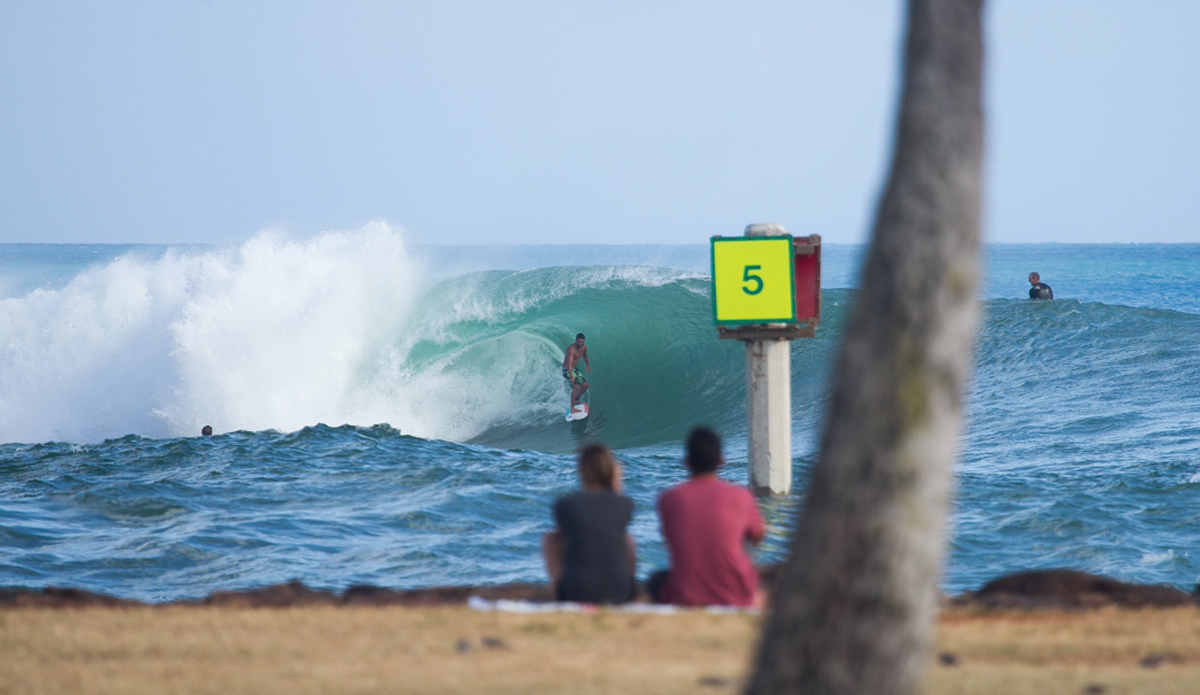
x=1034 y=278
x=206 y=431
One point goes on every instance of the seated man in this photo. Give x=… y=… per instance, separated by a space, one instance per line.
x=706 y=523
x=590 y=557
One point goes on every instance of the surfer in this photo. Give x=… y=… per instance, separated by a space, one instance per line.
x=1039 y=289
x=570 y=369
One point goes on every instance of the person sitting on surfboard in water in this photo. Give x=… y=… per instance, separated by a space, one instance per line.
x=570 y=369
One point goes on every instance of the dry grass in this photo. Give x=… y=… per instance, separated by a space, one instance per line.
x=446 y=650
x=363 y=650
x=1111 y=651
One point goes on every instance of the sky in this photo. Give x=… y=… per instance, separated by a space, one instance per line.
x=208 y=121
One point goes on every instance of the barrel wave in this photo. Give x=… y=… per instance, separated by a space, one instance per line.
x=486 y=350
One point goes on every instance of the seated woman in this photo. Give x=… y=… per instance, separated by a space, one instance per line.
x=590 y=557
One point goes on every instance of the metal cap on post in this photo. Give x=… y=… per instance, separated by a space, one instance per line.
x=765 y=230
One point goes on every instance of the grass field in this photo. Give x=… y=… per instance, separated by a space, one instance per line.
x=323 y=649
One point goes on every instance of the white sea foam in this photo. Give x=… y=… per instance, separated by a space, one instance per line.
x=1153 y=558
x=273 y=334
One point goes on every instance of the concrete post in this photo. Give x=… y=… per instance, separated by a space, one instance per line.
x=769 y=415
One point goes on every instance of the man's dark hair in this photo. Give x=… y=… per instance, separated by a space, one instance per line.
x=703 y=450
x=579 y=336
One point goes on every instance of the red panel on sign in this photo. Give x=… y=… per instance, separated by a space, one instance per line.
x=808 y=279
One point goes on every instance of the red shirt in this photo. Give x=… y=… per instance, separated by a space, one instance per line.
x=706 y=523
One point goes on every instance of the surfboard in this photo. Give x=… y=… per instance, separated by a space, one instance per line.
x=578 y=413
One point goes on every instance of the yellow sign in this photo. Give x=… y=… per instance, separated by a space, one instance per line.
x=753 y=280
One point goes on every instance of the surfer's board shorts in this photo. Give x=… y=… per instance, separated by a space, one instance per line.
x=573 y=376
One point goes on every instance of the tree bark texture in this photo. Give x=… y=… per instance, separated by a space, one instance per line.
x=857 y=597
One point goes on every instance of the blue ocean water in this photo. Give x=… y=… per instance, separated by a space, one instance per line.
x=392 y=415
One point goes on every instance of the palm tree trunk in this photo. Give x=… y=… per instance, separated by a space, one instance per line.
x=856 y=599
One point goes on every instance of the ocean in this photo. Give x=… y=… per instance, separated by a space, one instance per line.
x=392 y=414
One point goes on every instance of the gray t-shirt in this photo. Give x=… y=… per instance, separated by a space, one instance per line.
x=596 y=567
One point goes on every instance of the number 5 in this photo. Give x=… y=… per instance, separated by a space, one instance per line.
x=747 y=276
